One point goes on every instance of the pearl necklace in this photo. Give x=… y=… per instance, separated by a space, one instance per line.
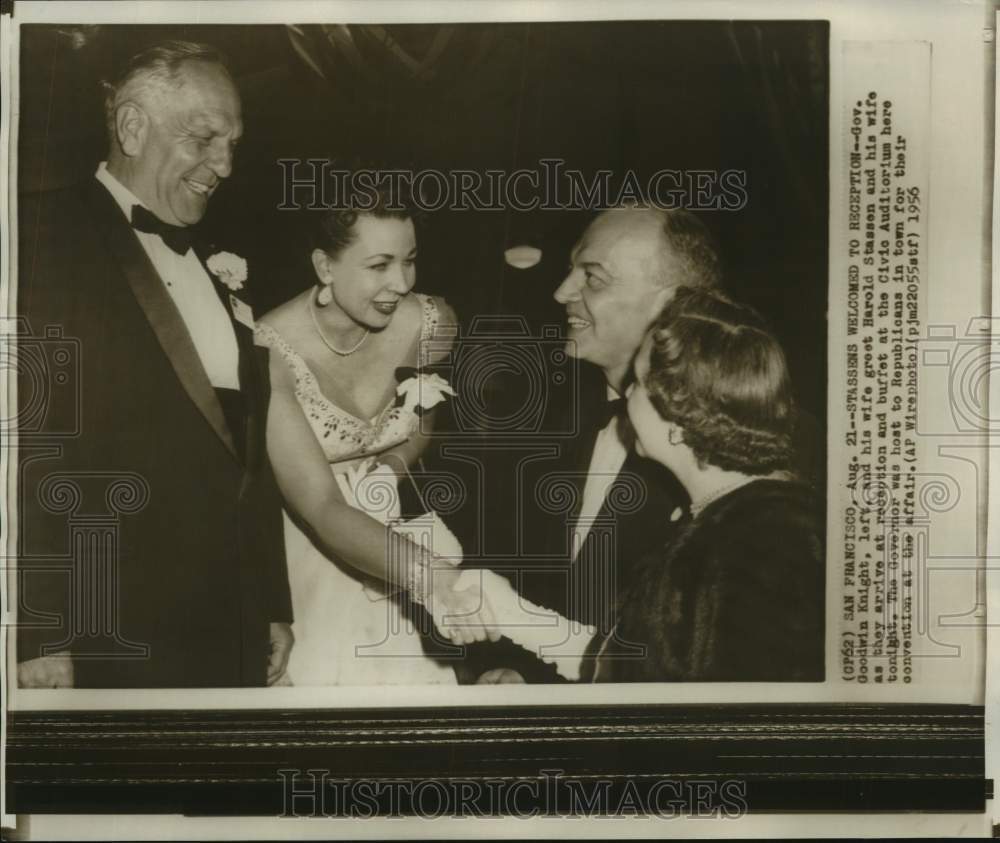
x=326 y=342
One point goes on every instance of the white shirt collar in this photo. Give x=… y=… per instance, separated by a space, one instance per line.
x=121 y=194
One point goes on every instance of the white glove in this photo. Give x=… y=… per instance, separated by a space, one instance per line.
x=550 y=636
x=432 y=534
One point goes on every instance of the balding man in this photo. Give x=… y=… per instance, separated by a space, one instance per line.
x=188 y=586
x=623 y=271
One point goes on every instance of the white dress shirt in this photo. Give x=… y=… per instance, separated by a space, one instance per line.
x=605 y=463
x=192 y=292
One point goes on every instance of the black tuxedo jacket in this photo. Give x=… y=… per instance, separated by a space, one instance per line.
x=150 y=531
x=634 y=519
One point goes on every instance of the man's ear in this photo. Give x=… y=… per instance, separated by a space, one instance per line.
x=662 y=297
x=131 y=128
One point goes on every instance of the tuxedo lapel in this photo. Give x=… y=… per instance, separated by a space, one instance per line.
x=160 y=311
x=592 y=415
x=660 y=492
x=580 y=467
x=251 y=357
x=572 y=462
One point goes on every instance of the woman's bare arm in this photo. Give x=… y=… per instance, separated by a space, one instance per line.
x=312 y=493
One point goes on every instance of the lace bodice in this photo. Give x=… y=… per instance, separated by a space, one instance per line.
x=342 y=435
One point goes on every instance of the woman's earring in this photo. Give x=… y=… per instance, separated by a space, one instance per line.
x=324 y=296
x=675 y=436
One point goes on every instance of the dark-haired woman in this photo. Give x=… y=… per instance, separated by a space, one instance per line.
x=738 y=593
x=335 y=405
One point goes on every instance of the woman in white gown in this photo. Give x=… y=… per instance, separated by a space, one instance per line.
x=334 y=352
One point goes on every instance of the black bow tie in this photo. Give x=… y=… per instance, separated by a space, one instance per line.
x=607 y=411
x=177 y=237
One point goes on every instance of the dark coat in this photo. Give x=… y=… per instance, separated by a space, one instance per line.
x=737 y=595
x=191 y=544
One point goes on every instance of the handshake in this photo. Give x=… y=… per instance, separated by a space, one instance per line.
x=469 y=605
x=478 y=604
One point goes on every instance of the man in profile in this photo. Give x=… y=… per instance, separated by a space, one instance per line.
x=623 y=271
x=189 y=588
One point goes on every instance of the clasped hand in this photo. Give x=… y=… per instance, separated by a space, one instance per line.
x=459 y=607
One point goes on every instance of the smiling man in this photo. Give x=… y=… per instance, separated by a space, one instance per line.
x=172 y=411
x=623 y=271
x=173 y=131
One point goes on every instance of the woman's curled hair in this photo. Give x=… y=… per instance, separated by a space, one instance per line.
x=369 y=195
x=716 y=371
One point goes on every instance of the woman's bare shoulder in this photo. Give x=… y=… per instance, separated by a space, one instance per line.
x=446 y=313
x=286 y=317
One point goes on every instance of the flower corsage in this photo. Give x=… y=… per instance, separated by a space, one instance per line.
x=420 y=390
x=230 y=269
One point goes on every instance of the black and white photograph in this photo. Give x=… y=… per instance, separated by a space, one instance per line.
x=496 y=396
x=263 y=472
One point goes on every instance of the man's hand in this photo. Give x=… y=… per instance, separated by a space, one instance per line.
x=54 y=671
x=457 y=597
x=282 y=640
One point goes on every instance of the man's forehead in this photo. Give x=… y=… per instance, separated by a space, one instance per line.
x=213 y=119
x=199 y=108
x=617 y=234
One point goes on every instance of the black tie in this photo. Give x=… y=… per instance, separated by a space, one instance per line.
x=609 y=410
x=177 y=237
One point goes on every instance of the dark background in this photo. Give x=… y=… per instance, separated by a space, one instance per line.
x=639 y=96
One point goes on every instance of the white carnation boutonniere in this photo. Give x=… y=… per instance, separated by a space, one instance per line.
x=420 y=391
x=230 y=269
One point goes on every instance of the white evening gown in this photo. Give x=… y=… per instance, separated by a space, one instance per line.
x=349 y=628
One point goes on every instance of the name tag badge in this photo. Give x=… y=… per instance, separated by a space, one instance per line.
x=241 y=311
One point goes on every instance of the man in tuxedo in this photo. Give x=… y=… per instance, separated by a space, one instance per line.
x=151 y=550
x=623 y=271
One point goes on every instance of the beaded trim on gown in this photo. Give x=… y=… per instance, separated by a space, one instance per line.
x=350 y=628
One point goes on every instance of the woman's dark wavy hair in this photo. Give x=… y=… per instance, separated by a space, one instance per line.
x=334 y=229
x=718 y=372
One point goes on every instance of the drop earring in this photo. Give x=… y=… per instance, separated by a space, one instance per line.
x=675 y=436
x=324 y=296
